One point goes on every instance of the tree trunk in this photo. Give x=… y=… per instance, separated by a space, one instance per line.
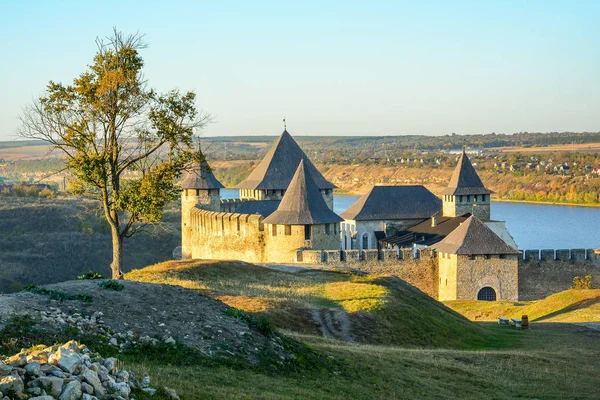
x=117 y=263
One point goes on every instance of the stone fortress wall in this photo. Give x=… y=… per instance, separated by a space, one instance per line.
x=226 y=234
x=538 y=277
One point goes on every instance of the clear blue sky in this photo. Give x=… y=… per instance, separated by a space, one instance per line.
x=332 y=68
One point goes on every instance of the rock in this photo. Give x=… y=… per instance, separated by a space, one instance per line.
x=170 y=340
x=111 y=364
x=51 y=385
x=39 y=356
x=113 y=342
x=18 y=360
x=71 y=345
x=89 y=397
x=145 y=381
x=48 y=368
x=66 y=359
x=123 y=389
x=87 y=388
x=42 y=398
x=58 y=373
x=170 y=394
x=91 y=377
x=33 y=368
x=5 y=369
x=11 y=384
x=34 y=391
x=123 y=376
x=150 y=391
x=71 y=391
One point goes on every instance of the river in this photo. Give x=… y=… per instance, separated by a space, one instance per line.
x=533 y=226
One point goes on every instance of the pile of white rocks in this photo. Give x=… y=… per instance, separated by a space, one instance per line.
x=69 y=372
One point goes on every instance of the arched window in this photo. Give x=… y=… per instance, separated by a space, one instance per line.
x=487 y=294
x=365 y=241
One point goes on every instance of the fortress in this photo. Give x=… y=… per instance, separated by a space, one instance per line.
x=285 y=215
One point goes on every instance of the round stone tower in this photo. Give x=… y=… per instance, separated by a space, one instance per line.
x=199 y=188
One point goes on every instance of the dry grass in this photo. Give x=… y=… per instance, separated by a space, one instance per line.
x=567 y=306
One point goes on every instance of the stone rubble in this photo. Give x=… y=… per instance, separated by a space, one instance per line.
x=95 y=325
x=68 y=372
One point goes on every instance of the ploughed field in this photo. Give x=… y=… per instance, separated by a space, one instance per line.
x=391 y=340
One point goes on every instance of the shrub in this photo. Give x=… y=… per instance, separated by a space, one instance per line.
x=57 y=294
x=261 y=322
x=582 y=282
x=90 y=275
x=111 y=285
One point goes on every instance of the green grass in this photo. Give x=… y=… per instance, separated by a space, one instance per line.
x=574 y=305
x=376 y=305
x=548 y=361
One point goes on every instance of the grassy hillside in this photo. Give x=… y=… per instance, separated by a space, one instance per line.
x=406 y=344
x=46 y=241
x=567 y=306
x=373 y=307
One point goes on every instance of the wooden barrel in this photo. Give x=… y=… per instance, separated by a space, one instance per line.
x=524 y=322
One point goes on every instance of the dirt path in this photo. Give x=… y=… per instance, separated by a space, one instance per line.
x=334 y=323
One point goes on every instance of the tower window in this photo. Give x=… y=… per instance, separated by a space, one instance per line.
x=327 y=229
x=288 y=230
x=274 y=230
x=306 y=232
x=460 y=198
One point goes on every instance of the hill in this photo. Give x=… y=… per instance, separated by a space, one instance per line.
x=404 y=344
x=566 y=306
x=364 y=309
x=52 y=240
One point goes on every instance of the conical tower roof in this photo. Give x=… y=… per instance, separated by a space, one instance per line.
x=473 y=237
x=302 y=203
x=199 y=176
x=276 y=170
x=465 y=180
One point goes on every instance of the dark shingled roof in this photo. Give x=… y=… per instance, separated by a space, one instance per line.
x=465 y=180
x=276 y=170
x=473 y=237
x=394 y=202
x=425 y=234
x=302 y=203
x=262 y=207
x=200 y=177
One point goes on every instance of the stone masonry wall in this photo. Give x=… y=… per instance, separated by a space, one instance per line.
x=500 y=274
x=227 y=236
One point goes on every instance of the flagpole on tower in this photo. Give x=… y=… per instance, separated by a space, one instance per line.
x=284 y=125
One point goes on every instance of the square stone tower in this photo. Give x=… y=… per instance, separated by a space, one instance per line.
x=476 y=264
x=465 y=192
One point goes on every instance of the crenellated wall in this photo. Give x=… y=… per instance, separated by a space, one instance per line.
x=230 y=205
x=225 y=235
x=562 y=255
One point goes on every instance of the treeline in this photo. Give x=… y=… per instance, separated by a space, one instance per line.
x=340 y=149
x=544 y=188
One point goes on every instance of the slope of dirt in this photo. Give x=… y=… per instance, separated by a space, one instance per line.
x=158 y=311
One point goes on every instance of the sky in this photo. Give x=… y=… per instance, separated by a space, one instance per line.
x=329 y=68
